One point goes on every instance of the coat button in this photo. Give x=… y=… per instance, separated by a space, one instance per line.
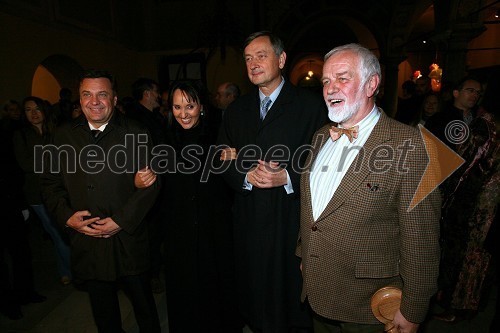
x=314 y=228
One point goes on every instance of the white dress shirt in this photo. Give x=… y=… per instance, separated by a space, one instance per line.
x=333 y=161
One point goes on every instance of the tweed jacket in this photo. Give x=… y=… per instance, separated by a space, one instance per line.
x=367 y=238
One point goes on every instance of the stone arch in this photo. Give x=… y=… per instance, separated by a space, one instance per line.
x=58 y=71
x=307 y=32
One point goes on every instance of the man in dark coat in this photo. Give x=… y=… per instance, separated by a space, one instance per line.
x=266 y=204
x=146 y=110
x=91 y=191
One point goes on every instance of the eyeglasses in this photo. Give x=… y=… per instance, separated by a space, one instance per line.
x=472 y=91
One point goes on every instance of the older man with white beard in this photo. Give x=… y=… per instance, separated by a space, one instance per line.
x=358 y=231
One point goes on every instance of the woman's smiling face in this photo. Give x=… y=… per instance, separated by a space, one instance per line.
x=186 y=110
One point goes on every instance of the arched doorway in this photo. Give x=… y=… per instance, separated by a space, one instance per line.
x=55 y=72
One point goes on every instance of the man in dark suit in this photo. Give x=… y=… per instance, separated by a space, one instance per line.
x=146 y=110
x=358 y=231
x=266 y=203
x=91 y=191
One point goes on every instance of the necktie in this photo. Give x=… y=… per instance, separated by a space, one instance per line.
x=264 y=107
x=351 y=133
x=96 y=133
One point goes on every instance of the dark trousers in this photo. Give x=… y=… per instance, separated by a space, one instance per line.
x=106 y=309
x=323 y=325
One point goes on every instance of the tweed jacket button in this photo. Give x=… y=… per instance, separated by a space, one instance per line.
x=314 y=228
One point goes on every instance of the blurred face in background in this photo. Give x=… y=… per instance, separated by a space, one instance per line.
x=222 y=97
x=467 y=97
x=152 y=97
x=185 y=109
x=422 y=86
x=33 y=113
x=13 y=111
x=431 y=105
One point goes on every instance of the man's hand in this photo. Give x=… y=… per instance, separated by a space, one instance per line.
x=228 y=154
x=144 y=178
x=403 y=325
x=81 y=222
x=93 y=226
x=107 y=227
x=267 y=175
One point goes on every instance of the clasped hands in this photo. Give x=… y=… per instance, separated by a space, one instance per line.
x=267 y=175
x=264 y=175
x=94 y=226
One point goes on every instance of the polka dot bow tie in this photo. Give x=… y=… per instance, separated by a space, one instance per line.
x=351 y=133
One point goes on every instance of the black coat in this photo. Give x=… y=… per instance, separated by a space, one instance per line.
x=24 y=142
x=198 y=247
x=266 y=221
x=106 y=192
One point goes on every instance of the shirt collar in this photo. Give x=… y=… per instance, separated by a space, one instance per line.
x=100 y=128
x=369 y=119
x=274 y=95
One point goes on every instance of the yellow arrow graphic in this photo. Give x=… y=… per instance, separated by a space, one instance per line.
x=443 y=161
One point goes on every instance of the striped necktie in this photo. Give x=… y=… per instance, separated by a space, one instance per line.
x=264 y=107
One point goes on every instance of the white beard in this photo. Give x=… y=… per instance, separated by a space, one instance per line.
x=340 y=116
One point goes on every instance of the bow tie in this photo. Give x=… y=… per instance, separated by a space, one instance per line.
x=351 y=133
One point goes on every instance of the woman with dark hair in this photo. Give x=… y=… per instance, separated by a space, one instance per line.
x=198 y=244
x=37 y=130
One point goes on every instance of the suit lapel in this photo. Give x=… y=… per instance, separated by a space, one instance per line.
x=277 y=109
x=353 y=178
x=319 y=141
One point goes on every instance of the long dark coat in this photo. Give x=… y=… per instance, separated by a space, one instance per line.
x=266 y=221
x=199 y=258
x=109 y=192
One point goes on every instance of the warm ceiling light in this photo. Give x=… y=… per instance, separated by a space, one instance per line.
x=310 y=73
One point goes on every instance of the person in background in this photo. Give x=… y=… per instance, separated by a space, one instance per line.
x=275 y=115
x=359 y=232
x=38 y=130
x=11 y=121
x=99 y=205
x=471 y=199
x=458 y=114
x=146 y=109
x=62 y=110
x=413 y=96
x=227 y=92
x=430 y=105
x=17 y=285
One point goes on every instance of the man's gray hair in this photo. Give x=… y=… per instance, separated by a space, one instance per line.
x=369 y=64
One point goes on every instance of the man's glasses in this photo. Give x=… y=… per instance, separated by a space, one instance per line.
x=473 y=91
